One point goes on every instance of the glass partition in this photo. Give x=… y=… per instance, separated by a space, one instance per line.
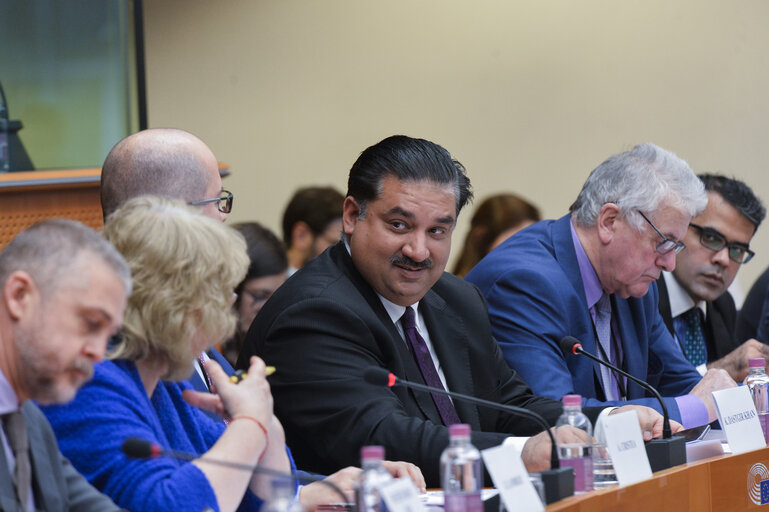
x=69 y=73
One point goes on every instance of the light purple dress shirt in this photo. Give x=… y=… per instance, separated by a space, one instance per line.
x=693 y=411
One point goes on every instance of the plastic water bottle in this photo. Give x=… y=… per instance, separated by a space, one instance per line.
x=373 y=475
x=461 y=472
x=577 y=455
x=757 y=382
x=283 y=497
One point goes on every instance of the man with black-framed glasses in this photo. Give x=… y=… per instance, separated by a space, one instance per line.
x=694 y=302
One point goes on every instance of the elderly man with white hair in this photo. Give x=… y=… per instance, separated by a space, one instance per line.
x=591 y=275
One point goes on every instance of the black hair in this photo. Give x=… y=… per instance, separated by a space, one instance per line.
x=407 y=159
x=737 y=194
x=316 y=206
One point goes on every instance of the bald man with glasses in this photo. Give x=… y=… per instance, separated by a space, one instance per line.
x=694 y=302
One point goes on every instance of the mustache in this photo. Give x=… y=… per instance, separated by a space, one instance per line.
x=405 y=260
x=84 y=366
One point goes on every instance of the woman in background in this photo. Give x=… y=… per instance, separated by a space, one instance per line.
x=494 y=221
x=267 y=270
x=185 y=267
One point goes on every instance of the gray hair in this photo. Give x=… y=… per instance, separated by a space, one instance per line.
x=49 y=250
x=641 y=179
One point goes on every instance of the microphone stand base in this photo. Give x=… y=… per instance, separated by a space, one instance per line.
x=558 y=483
x=666 y=453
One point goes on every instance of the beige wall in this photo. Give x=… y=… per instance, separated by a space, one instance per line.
x=529 y=95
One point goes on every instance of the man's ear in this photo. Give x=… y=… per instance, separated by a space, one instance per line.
x=301 y=236
x=606 y=223
x=350 y=212
x=18 y=291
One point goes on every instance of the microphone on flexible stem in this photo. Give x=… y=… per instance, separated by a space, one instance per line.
x=663 y=453
x=558 y=481
x=141 y=449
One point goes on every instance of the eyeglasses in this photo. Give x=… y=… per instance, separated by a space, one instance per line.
x=667 y=244
x=223 y=202
x=257 y=298
x=715 y=241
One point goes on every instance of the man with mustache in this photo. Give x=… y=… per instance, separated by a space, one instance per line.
x=64 y=289
x=694 y=302
x=381 y=298
x=591 y=275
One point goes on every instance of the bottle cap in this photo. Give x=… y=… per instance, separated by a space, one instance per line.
x=572 y=400
x=372 y=452
x=459 y=430
x=757 y=362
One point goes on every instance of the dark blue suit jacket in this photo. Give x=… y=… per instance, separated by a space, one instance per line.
x=536 y=297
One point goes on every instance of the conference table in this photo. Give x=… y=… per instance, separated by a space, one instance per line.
x=723 y=483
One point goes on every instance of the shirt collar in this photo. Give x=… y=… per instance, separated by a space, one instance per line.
x=590 y=281
x=680 y=301
x=9 y=402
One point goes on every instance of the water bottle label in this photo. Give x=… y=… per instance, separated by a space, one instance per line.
x=764 y=419
x=463 y=502
x=583 y=472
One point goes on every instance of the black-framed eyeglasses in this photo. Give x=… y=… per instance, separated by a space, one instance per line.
x=223 y=202
x=667 y=244
x=715 y=241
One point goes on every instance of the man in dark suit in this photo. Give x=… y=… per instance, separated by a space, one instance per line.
x=64 y=291
x=588 y=275
x=694 y=302
x=380 y=298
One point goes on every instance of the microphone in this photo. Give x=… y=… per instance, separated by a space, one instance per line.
x=663 y=453
x=141 y=449
x=558 y=481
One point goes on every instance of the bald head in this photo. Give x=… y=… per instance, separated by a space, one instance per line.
x=162 y=162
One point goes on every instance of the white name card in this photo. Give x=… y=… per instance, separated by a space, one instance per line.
x=510 y=477
x=401 y=495
x=739 y=420
x=626 y=447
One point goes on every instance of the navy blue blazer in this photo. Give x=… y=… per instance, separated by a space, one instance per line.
x=536 y=297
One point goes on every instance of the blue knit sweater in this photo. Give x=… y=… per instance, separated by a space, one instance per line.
x=114 y=406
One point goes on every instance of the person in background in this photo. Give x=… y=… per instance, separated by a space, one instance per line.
x=694 y=300
x=64 y=289
x=312 y=222
x=266 y=272
x=750 y=315
x=495 y=220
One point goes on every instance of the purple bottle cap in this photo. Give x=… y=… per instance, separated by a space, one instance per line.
x=757 y=362
x=459 y=430
x=572 y=400
x=372 y=452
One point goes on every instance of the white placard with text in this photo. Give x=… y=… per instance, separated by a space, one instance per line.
x=401 y=495
x=510 y=477
x=626 y=447
x=739 y=420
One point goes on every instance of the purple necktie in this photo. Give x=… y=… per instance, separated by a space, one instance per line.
x=426 y=366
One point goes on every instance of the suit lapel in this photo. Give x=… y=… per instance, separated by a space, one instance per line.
x=45 y=487
x=7 y=490
x=563 y=246
x=449 y=339
x=717 y=336
x=408 y=368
